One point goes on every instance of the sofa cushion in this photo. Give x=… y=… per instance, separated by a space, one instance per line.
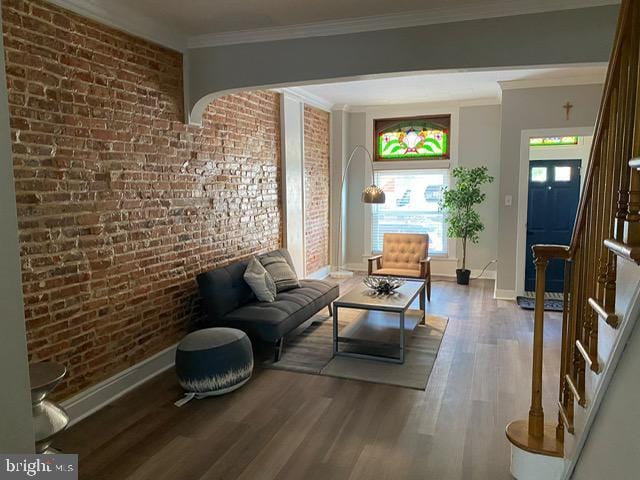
x=260 y=281
x=281 y=271
x=224 y=289
x=271 y=321
x=397 y=272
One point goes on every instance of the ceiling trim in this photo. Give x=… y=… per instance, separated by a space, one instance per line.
x=443 y=14
x=591 y=79
x=307 y=98
x=129 y=21
x=475 y=102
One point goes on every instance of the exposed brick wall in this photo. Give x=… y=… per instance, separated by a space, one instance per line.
x=120 y=203
x=316 y=188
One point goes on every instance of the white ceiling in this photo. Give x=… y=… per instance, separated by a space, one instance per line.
x=218 y=22
x=447 y=86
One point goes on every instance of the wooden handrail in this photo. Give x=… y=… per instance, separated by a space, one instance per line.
x=614 y=59
x=549 y=252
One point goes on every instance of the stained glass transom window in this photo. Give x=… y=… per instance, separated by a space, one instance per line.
x=418 y=138
x=552 y=141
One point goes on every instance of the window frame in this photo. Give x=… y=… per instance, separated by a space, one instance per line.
x=381 y=124
x=446 y=241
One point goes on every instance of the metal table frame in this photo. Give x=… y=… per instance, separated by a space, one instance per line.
x=401 y=311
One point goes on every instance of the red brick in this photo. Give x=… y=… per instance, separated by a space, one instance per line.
x=113 y=229
x=316 y=188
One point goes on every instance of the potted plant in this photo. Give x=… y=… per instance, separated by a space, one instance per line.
x=462 y=220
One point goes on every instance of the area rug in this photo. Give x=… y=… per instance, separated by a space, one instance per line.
x=310 y=350
x=550 y=304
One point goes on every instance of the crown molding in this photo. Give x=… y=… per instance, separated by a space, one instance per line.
x=341 y=107
x=443 y=104
x=129 y=21
x=306 y=97
x=593 y=79
x=442 y=14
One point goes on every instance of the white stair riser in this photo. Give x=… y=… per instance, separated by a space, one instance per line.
x=530 y=466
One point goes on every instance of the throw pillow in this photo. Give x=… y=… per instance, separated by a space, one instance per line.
x=260 y=281
x=281 y=272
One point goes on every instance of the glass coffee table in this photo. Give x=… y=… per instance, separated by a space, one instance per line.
x=386 y=321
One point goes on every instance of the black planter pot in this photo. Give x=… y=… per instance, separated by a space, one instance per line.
x=462 y=276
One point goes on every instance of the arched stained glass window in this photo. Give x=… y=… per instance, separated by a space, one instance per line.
x=421 y=138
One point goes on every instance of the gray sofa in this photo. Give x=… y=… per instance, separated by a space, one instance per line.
x=229 y=302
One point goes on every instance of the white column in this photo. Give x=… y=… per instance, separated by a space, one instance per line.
x=338 y=138
x=16 y=425
x=292 y=141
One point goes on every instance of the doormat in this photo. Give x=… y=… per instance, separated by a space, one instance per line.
x=550 y=304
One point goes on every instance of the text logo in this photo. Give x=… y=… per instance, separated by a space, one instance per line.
x=33 y=466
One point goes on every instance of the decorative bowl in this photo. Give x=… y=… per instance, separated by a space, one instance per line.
x=383 y=285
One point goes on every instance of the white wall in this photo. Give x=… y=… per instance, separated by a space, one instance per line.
x=480 y=145
x=357 y=175
x=580 y=35
x=475 y=134
x=338 y=139
x=292 y=124
x=16 y=425
x=527 y=109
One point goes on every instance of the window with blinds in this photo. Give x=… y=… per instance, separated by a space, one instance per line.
x=411 y=206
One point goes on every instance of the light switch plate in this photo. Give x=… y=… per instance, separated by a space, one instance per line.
x=508 y=200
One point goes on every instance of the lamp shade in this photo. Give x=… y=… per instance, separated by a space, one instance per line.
x=373 y=194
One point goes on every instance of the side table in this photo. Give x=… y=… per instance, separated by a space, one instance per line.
x=49 y=419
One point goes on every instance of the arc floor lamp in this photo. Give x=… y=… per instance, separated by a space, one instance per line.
x=371 y=194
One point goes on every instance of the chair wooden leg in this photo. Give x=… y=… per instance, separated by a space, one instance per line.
x=330 y=308
x=429 y=289
x=279 y=348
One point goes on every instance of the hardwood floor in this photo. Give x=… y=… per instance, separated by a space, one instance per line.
x=289 y=425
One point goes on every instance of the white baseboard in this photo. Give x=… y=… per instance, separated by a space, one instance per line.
x=98 y=396
x=439 y=267
x=500 y=294
x=320 y=273
x=357 y=267
x=475 y=272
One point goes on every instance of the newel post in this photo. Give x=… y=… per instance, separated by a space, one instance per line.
x=536 y=413
x=530 y=438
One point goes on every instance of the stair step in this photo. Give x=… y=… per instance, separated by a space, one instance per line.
x=565 y=418
x=629 y=252
x=609 y=317
x=518 y=434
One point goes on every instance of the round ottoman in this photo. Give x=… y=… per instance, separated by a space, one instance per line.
x=213 y=361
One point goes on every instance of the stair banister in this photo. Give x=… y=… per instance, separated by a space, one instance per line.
x=607 y=227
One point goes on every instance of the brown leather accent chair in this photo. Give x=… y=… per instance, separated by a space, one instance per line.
x=404 y=255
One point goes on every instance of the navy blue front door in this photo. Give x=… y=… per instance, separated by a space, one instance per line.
x=554 y=192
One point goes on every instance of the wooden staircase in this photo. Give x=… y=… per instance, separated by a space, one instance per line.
x=606 y=232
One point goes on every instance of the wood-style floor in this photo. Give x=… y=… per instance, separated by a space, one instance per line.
x=289 y=425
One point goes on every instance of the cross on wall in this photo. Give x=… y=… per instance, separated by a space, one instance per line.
x=567 y=107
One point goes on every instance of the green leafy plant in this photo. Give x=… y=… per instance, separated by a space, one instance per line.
x=457 y=203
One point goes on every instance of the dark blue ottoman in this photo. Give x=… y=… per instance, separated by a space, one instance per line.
x=213 y=361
